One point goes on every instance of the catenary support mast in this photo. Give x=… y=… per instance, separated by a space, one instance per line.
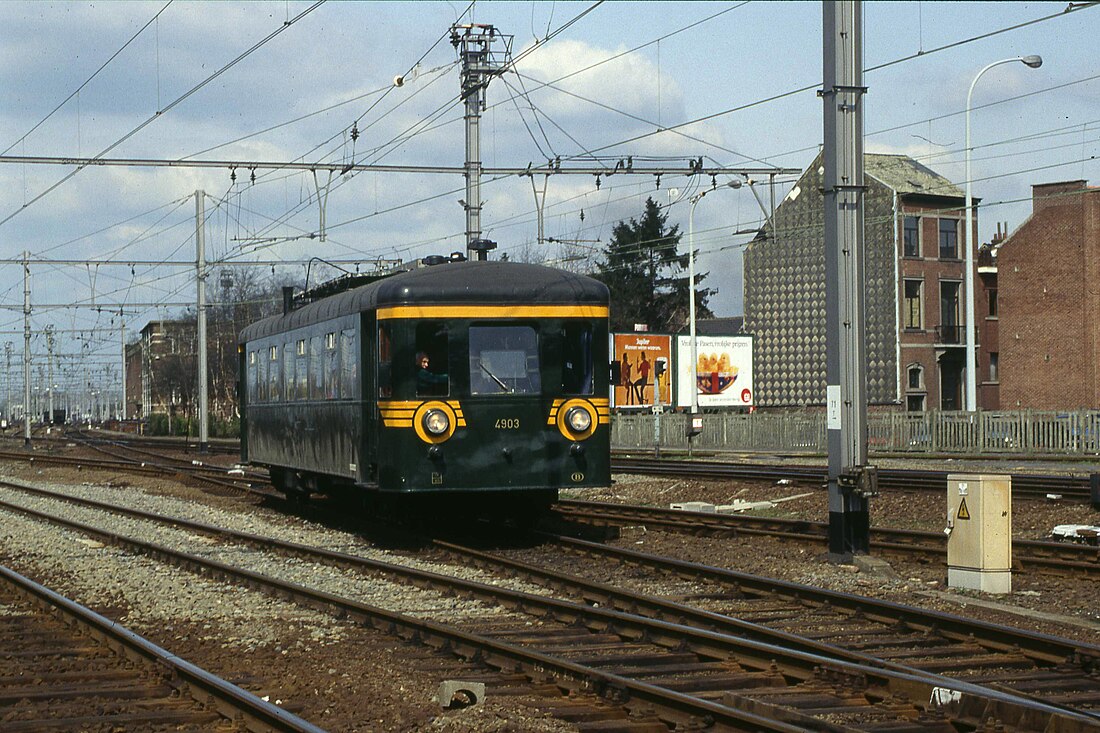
x=26 y=350
x=200 y=328
x=474 y=43
x=851 y=481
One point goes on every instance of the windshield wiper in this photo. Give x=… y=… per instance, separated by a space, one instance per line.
x=495 y=378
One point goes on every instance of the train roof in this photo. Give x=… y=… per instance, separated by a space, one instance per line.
x=467 y=283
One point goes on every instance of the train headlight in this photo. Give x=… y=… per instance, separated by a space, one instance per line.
x=436 y=422
x=578 y=419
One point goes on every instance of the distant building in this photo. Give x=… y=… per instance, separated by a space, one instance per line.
x=1048 y=302
x=914 y=273
x=160 y=368
x=726 y=326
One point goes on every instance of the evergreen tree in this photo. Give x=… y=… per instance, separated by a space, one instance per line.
x=646 y=276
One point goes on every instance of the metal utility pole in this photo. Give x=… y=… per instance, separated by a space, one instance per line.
x=49 y=371
x=474 y=43
x=122 y=343
x=851 y=480
x=200 y=281
x=26 y=349
x=7 y=408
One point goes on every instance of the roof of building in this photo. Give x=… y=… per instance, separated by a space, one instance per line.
x=727 y=326
x=907 y=176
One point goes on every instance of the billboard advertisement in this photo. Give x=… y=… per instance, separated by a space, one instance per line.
x=638 y=356
x=723 y=369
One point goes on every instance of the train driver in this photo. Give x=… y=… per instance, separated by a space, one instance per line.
x=427 y=381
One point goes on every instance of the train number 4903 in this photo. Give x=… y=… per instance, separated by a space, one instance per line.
x=507 y=423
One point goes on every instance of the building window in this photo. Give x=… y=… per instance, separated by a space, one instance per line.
x=992 y=302
x=914 y=403
x=913 y=315
x=994 y=364
x=916 y=376
x=911 y=236
x=949 y=239
x=950 y=330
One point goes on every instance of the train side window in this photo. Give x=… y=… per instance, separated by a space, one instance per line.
x=301 y=368
x=349 y=362
x=576 y=359
x=274 y=375
x=431 y=344
x=261 y=377
x=288 y=371
x=332 y=367
x=316 y=369
x=251 y=376
x=504 y=359
x=385 y=361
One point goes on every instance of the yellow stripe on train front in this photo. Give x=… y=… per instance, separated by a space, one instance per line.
x=492 y=311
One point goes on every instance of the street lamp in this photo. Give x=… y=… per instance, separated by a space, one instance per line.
x=691 y=298
x=971 y=403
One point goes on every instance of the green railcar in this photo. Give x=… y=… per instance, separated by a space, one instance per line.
x=482 y=382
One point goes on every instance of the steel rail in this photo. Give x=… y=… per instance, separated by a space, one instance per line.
x=606 y=595
x=1023 y=484
x=1061 y=558
x=1046 y=647
x=684 y=708
x=673 y=635
x=231 y=702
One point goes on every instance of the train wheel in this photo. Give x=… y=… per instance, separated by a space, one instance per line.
x=289 y=484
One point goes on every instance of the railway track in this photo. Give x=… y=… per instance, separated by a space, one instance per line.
x=122 y=457
x=1062 y=558
x=1059 y=558
x=65 y=667
x=667 y=672
x=829 y=623
x=1076 y=488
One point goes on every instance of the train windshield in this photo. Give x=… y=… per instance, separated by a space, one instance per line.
x=504 y=360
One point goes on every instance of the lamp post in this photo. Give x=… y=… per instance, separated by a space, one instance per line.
x=691 y=301
x=971 y=402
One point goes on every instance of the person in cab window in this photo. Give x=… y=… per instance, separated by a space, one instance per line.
x=427 y=381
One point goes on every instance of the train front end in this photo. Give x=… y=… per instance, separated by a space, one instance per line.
x=492 y=384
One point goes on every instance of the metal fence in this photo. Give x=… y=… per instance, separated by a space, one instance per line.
x=1023 y=432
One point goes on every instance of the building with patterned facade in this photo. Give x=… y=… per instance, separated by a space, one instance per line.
x=913 y=221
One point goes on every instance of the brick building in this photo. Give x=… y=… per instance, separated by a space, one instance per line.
x=914 y=272
x=160 y=368
x=1048 y=300
x=987 y=314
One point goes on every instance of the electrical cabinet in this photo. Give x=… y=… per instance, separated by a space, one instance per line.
x=979 y=532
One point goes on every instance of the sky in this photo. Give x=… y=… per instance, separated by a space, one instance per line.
x=663 y=83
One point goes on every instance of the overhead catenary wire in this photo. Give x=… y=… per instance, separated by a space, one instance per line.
x=179 y=100
x=88 y=81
